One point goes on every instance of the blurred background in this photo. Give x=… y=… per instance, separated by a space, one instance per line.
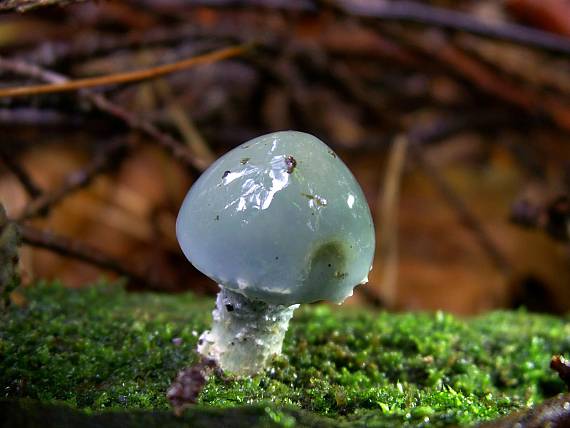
x=454 y=116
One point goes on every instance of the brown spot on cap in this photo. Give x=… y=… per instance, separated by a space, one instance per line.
x=291 y=163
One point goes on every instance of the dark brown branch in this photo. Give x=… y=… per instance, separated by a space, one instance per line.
x=77 y=180
x=407 y=11
x=413 y=12
x=177 y=149
x=77 y=250
x=23 y=177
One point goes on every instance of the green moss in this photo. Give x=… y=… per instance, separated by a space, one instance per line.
x=101 y=348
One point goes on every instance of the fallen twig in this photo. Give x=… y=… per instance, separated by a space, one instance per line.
x=185 y=125
x=80 y=251
x=76 y=180
x=468 y=219
x=31 y=188
x=129 y=76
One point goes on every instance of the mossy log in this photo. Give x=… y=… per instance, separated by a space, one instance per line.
x=104 y=357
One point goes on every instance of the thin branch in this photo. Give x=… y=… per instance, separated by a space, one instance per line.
x=77 y=250
x=177 y=149
x=468 y=219
x=407 y=11
x=23 y=177
x=126 y=77
x=76 y=180
x=184 y=123
x=388 y=202
x=414 y=12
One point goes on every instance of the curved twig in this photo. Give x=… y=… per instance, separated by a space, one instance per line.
x=128 y=76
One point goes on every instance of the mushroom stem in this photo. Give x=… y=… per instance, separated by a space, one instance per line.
x=245 y=333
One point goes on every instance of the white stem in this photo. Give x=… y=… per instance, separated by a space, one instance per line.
x=245 y=333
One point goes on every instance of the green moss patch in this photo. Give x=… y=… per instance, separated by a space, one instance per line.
x=101 y=348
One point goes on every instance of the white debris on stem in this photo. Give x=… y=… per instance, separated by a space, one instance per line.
x=245 y=333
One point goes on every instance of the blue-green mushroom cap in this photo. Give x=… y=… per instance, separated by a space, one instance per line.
x=280 y=219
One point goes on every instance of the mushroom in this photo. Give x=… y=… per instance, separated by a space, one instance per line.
x=276 y=222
